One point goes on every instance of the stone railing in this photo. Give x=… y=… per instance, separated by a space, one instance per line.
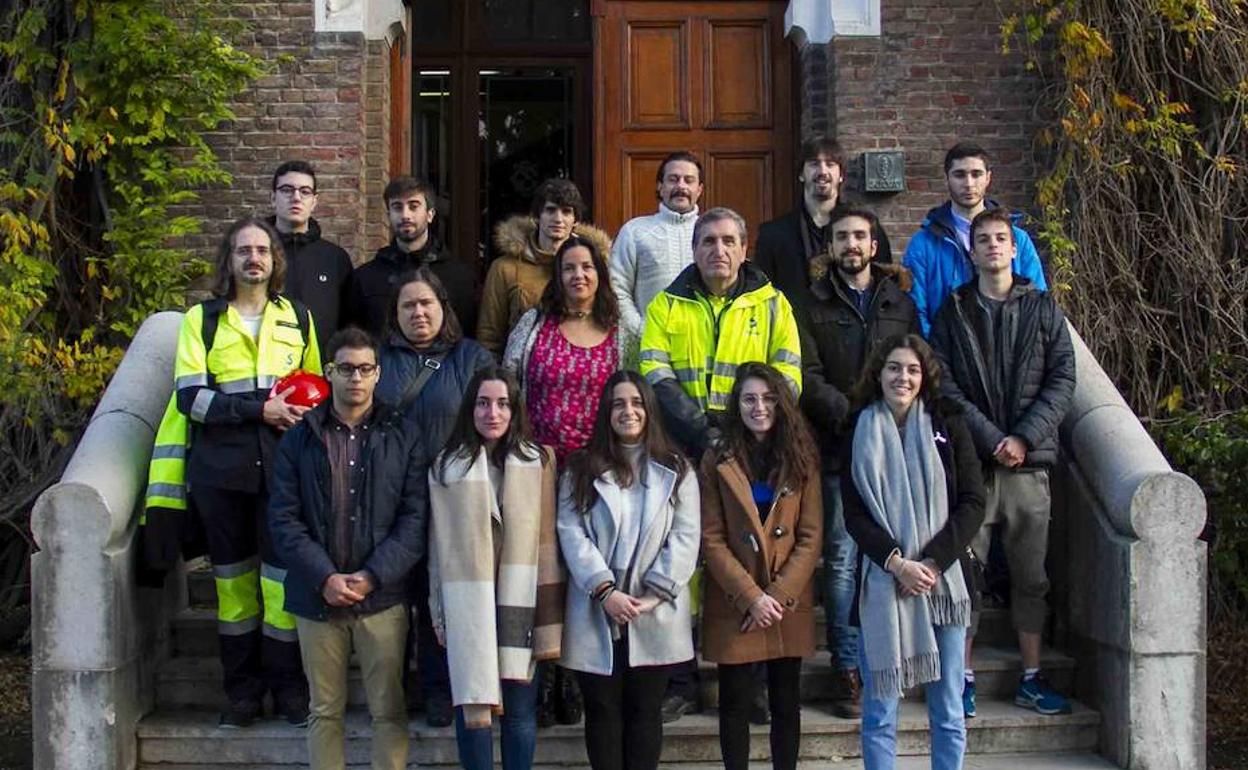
x=1130 y=578
x=97 y=637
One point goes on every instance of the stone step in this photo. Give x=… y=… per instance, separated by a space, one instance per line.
x=195 y=629
x=195 y=682
x=1035 y=761
x=173 y=737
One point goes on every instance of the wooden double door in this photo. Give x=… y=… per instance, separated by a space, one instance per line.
x=711 y=77
x=505 y=92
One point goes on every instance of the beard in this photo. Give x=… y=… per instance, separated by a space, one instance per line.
x=851 y=268
x=410 y=235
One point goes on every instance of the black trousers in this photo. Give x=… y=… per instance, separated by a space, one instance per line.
x=431 y=666
x=259 y=646
x=623 y=720
x=736 y=689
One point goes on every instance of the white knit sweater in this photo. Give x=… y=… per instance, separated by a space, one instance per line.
x=647 y=255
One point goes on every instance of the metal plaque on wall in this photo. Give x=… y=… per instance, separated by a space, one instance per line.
x=884 y=171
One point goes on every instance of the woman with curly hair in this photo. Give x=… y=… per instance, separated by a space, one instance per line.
x=762 y=533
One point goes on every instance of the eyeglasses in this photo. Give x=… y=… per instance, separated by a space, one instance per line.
x=347 y=371
x=289 y=190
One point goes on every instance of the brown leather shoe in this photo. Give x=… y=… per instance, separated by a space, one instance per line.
x=847 y=694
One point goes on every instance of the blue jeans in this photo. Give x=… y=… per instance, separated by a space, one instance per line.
x=944 y=711
x=519 y=731
x=840 y=555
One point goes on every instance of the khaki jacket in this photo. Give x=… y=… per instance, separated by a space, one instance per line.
x=745 y=558
x=517 y=278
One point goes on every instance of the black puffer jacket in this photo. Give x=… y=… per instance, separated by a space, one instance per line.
x=372 y=285
x=964 y=484
x=836 y=340
x=388 y=532
x=433 y=412
x=317 y=274
x=1031 y=400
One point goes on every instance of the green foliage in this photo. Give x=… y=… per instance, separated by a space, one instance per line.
x=1214 y=452
x=103 y=109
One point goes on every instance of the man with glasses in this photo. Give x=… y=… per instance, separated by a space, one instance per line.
x=231 y=351
x=317 y=269
x=349 y=538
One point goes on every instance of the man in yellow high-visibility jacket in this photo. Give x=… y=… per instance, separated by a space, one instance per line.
x=223 y=388
x=719 y=313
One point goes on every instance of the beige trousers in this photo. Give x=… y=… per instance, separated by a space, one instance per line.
x=378 y=640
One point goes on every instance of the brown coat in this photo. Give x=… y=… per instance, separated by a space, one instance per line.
x=517 y=278
x=789 y=549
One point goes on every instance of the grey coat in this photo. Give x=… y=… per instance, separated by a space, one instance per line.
x=663 y=564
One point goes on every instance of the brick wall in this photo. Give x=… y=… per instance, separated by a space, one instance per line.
x=325 y=101
x=935 y=76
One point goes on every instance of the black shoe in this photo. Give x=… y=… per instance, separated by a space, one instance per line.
x=547 y=695
x=294 y=709
x=760 y=708
x=239 y=715
x=438 y=710
x=571 y=705
x=675 y=706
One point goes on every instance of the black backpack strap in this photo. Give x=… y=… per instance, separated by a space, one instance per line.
x=304 y=318
x=213 y=309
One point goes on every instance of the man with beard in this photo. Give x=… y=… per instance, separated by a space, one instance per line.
x=317 y=269
x=855 y=304
x=787 y=245
x=410 y=210
x=939 y=254
x=650 y=251
x=231 y=351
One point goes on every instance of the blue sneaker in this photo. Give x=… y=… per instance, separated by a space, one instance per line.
x=968 y=698
x=1036 y=694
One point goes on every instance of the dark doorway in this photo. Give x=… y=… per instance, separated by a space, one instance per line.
x=501 y=102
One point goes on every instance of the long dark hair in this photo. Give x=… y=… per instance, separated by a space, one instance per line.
x=605 y=452
x=223 y=282
x=451 y=332
x=554 y=301
x=868 y=390
x=789 y=448
x=464 y=442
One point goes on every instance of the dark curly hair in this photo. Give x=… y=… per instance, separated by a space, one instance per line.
x=788 y=450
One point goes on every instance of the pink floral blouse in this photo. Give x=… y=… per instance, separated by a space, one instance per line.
x=564 y=384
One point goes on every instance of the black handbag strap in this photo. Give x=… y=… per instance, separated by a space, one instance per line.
x=432 y=364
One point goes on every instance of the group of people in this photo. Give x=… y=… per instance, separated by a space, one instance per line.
x=648 y=448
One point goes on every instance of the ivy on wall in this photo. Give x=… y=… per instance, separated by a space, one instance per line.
x=103 y=106
x=1144 y=211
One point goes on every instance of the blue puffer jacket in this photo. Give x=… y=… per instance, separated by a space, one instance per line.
x=435 y=409
x=940 y=265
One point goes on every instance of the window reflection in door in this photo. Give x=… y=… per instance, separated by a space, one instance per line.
x=526 y=136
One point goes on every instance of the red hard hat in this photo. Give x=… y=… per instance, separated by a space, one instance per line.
x=310 y=389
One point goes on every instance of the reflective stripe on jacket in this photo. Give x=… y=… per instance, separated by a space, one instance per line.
x=222 y=391
x=700 y=340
